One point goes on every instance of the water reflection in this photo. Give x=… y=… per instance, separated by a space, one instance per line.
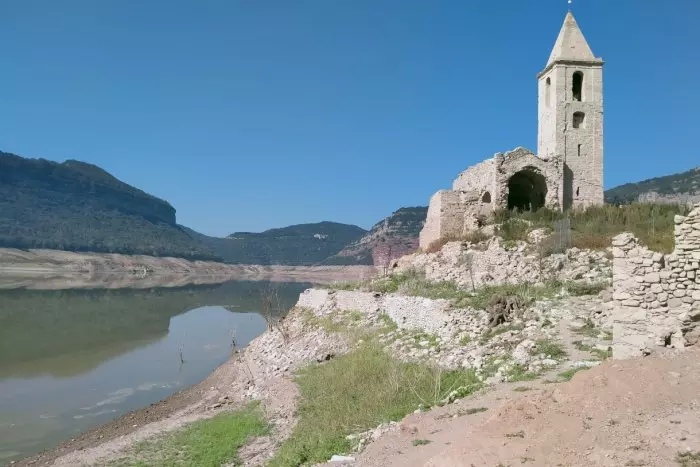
x=72 y=359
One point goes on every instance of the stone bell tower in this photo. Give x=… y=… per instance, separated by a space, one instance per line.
x=570 y=107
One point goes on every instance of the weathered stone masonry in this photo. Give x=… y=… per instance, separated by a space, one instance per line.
x=657 y=297
x=567 y=170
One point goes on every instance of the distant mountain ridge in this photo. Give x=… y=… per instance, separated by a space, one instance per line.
x=77 y=206
x=390 y=238
x=301 y=244
x=683 y=187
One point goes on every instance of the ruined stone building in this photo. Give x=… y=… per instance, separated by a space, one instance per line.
x=568 y=168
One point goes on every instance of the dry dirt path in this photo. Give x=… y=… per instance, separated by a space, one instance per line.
x=640 y=412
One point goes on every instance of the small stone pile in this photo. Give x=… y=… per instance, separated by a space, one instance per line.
x=492 y=263
x=657 y=297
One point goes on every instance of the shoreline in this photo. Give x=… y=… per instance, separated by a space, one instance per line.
x=260 y=371
x=54 y=270
x=130 y=422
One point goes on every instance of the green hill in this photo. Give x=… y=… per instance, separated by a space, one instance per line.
x=682 y=187
x=80 y=207
x=303 y=244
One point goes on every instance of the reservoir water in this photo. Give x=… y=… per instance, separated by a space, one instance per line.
x=73 y=359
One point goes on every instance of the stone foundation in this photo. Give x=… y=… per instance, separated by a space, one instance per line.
x=656 y=296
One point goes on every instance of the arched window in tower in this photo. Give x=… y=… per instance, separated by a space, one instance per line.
x=577 y=86
x=547 y=91
x=579 y=120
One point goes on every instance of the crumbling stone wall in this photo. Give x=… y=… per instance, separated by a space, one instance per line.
x=483 y=188
x=657 y=297
x=491 y=263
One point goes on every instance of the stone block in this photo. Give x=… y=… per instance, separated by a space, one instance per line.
x=621 y=296
x=652 y=277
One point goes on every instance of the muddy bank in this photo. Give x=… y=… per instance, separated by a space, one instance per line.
x=53 y=269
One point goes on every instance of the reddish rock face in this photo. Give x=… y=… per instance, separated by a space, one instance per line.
x=389 y=239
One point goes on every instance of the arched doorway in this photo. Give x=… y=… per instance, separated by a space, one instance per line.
x=527 y=190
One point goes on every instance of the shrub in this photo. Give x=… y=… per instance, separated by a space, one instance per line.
x=519 y=372
x=688 y=459
x=568 y=374
x=594 y=226
x=550 y=348
x=473 y=236
x=513 y=230
x=527 y=293
x=585 y=288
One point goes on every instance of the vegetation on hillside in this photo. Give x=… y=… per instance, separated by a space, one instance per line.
x=374 y=388
x=413 y=283
x=675 y=184
x=303 y=244
x=210 y=442
x=595 y=226
x=591 y=228
x=76 y=206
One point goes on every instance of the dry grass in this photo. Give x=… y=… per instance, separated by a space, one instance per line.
x=594 y=227
x=359 y=391
x=474 y=236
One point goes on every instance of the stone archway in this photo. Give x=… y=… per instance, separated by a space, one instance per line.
x=527 y=190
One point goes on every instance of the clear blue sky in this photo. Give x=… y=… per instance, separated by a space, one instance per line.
x=247 y=115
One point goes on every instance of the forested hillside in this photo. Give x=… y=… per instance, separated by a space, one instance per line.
x=303 y=244
x=681 y=187
x=79 y=207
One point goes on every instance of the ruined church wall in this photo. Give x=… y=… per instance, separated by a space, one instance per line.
x=451 y=214
x=477 y=178
x=657 y=297
x=445 y=217
x=509 y=163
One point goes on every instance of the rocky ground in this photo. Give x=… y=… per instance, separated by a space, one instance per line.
x=496 y=261
x=640 y=412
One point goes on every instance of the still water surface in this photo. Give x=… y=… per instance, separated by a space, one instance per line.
x=70 y=360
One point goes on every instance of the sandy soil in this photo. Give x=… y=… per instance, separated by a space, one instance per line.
x=622 y=413
x=53 y=269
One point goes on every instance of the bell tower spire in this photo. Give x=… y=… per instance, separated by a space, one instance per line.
x=570 y=115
